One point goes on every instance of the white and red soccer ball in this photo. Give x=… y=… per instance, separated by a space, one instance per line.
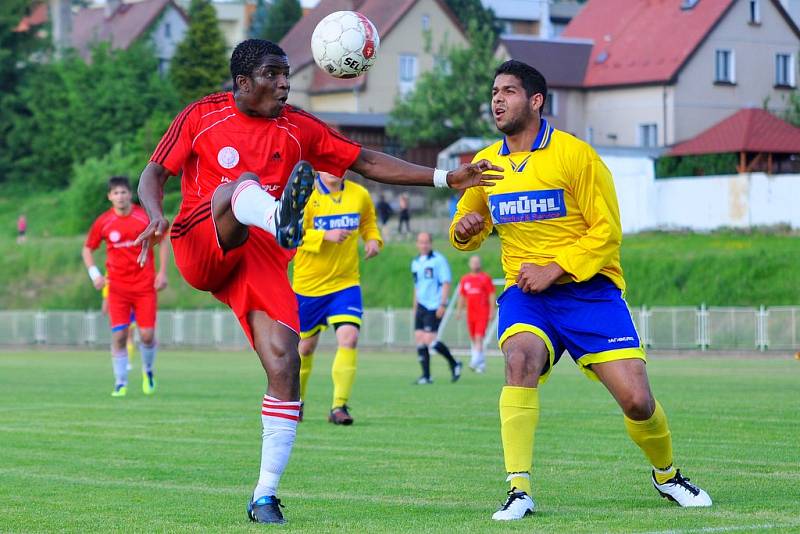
x=345 y=44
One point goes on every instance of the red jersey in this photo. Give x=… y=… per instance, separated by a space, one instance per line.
x=214 y=143
x=119 y=232
x=476 y=289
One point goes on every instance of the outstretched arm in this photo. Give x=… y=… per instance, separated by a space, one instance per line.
x=151 y=195
x=386 y=169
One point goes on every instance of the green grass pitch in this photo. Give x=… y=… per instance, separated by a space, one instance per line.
x=418 y=459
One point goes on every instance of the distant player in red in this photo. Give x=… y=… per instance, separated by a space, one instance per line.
x=238 y=153
x=477 y=294
x=131 y=287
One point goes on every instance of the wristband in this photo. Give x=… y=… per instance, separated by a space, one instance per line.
x=94 y=273
x=440 y=178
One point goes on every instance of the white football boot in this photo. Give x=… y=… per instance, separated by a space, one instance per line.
x=517 y=505
x=679 y=490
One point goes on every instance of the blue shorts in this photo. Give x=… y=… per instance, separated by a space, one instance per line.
x=316 y=313
x=588 y=319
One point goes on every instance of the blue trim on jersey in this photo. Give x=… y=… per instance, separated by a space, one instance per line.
x=542 y=140
x=324 y=188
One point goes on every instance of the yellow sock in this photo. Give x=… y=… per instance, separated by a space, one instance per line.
x=655 y=440
x=306 y=363
x=519 y=415
x=343 y=374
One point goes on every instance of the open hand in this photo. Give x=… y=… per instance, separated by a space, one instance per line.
x=151 y=236
x=472 y=174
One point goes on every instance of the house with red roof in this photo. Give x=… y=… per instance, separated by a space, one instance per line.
x=118 y=23
x=403 y=55
x=662 y=71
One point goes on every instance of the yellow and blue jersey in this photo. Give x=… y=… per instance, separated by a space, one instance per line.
x=556 y=203
x=323 y=267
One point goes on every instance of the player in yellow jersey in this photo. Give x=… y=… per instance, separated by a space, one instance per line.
x=326 y=280
x=557 y=217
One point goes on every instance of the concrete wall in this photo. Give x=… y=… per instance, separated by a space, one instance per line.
x=700 y=103
x=701 y=203
x=614 y=115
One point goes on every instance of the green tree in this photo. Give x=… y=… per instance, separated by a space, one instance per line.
x=471 y=12
x=69 y=110
x=450 y=101
x=282 y=15
x=200 y=64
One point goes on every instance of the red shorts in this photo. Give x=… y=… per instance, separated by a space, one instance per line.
x=477 y=323
x=250 y=277
x=125 y=306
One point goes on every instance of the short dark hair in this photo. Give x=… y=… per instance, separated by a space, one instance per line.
x=248 y=55
x=119 y=181
x=532 y=80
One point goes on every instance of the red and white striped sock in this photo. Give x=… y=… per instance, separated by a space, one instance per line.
x=279 y=421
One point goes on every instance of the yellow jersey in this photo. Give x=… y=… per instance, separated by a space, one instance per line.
x=323 y=267
x=556 y=203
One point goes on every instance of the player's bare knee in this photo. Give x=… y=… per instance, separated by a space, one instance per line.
x=147 y=336
x=637 y=404
x=119 y=339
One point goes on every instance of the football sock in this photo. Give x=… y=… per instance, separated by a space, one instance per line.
x=654 y=438
x=253 y=206
x=279 y=421
x=343 y=374
x=148 y=356
x=519 y=415
x=119 y=361
x=424 y=357
x=306 y=363
x=442 y=349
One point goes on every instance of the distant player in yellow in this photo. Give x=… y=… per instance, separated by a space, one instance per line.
x=326 y=280
x=558 y=220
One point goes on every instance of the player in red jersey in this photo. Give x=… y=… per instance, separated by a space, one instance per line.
x=235 y=151
x=131 y=286
x=477 y=294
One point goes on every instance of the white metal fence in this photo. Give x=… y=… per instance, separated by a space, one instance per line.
x=660 y=328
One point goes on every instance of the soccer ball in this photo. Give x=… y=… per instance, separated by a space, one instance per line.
x=345 y=44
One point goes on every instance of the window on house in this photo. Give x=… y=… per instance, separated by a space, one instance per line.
x=426 y=22
x=408 y=72
x=648 y=135
x=167 y=30
x=725 y=67
x=784 y=70
x=550 y=105
x=755 y=12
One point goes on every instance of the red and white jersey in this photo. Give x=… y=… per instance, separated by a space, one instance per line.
x=119 y=232
x=476 y=289
x=214 y=143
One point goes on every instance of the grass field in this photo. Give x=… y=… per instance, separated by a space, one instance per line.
x=418 y=459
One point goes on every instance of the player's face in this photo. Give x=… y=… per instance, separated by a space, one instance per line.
x=512 y=110
x=475 y=264
x=265 y=91
x=120 y=198
x=424 y=244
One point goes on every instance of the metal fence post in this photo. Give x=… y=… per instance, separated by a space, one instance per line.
x=40 y=328
x=762 y=332
x=703 y=337
x=217 y=324
x=177 y=327
x=389 y=327
x=644 y=335
x=89 y=328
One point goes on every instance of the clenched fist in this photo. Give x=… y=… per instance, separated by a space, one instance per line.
x=469 y=225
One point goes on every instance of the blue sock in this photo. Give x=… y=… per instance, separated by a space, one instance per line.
x=148 y=356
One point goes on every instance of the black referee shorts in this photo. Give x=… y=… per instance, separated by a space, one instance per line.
x=426 y=319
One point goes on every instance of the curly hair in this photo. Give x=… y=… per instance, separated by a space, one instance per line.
x=248 y=55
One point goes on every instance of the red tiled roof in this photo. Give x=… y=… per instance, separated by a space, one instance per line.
x=90 y=25
x=121 y=29
x=747 y=130
x=384 y=15
x=642 y=41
